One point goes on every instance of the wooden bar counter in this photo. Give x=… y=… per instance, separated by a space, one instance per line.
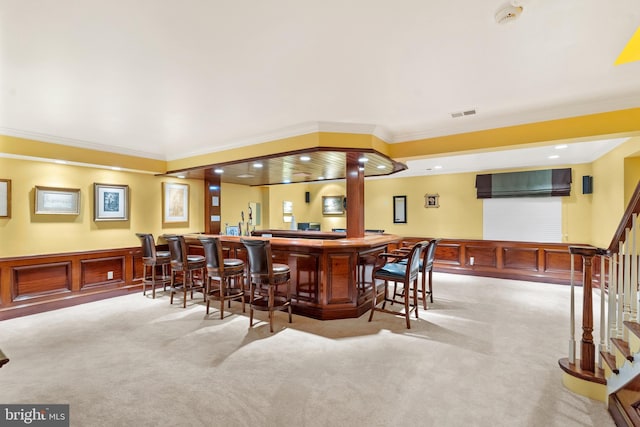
x=326 y=273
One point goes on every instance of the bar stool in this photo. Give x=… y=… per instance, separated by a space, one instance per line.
x=224 y=271
x=266 y=280
x=399 y=272
x=150 y=260
x=184 y=265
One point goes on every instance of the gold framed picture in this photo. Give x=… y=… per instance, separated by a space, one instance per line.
x=175 y=204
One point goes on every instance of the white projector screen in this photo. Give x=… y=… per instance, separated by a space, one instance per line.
x=526 y=219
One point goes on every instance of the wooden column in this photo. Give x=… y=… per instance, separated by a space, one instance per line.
x=587 y=348
x=212 y=203
x=355 y=196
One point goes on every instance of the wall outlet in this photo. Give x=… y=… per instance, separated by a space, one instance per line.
x=109 y=275
x=471 y=260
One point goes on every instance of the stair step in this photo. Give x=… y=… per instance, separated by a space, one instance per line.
x=623 y=346
x=610 y=360
x=624 y=404
x=633 y=327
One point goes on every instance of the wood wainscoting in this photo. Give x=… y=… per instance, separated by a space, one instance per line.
x=33 y=284
x=537 y=262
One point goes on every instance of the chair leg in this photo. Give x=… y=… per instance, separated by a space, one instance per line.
x=223 y=283
x=415 y=297
x=144 y=280
x=172 y=284
x=251 y=294
x=153 y=281
x=430 y=285
x=185 y=278
x=270 y=303
x=424 y=291
x=289 y=299
x=407 y=313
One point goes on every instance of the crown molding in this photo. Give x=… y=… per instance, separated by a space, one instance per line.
x=293 y=131
x=43 y=137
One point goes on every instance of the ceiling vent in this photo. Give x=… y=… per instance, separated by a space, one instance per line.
x=463 y=113
x=508 y=13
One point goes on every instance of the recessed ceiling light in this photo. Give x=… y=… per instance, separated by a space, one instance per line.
x=61 y=162
x=561 y=146
x=218 y=171
x=437 y=167
x=287 y=181
x=321 y=177
x=555 y=156
x=115 y=168
x=363 y=159
x=382 y=167
x=305 y=158
x=257 y=165
x=181 y=176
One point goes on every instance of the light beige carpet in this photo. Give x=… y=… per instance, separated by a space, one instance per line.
x=484 y=354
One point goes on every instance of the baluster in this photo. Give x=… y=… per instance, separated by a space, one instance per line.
x=633 y=284
x=627 y=283
x=572 y=322
x=619 y=333
x=634 y=267
x=613 y=299
x=603 y=330
x=587 y=347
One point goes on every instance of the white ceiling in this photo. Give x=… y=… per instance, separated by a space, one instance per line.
x=169 y=79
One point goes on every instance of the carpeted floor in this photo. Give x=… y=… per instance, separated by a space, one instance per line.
x=485 y=354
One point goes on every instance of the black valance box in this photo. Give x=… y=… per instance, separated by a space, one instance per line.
x=540 y=183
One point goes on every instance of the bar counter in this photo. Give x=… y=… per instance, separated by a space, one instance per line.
x=330 y=277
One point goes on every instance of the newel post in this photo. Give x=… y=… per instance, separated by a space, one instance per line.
x=587 y=348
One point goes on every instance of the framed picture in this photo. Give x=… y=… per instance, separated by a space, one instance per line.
x=175 y=204
x=232 y=230
x=5 y=198
x=332 y=205
x=111 y=202
x=287 y=207
x=431 y=201
x=400 y=209
x=57 y=201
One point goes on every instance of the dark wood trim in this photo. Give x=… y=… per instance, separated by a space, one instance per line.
x=531 y=261
x=32 y=284
x=574 y=370
x=38 y=283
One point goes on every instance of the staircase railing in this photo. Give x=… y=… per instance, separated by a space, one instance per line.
x=618 y=275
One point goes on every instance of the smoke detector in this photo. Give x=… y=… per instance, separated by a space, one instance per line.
x=508 y=13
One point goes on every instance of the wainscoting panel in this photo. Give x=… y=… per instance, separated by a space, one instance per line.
x=520 y=258
x=39 y=283
x=34 y=281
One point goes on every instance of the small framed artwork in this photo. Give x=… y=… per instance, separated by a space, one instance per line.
x=57 y=201
x=400 y=209
x=431 y=201
x=287 y=207
x=175 y=204
x=5 y=198
x=232 y=230
x=110 y=202
x=332 y=205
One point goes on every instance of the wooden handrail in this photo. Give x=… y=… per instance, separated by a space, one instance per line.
x=627 y=218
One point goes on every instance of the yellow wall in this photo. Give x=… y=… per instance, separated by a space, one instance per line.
x=235 y=199
x=612 y=190
x=459 y=215
x=28 y=234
